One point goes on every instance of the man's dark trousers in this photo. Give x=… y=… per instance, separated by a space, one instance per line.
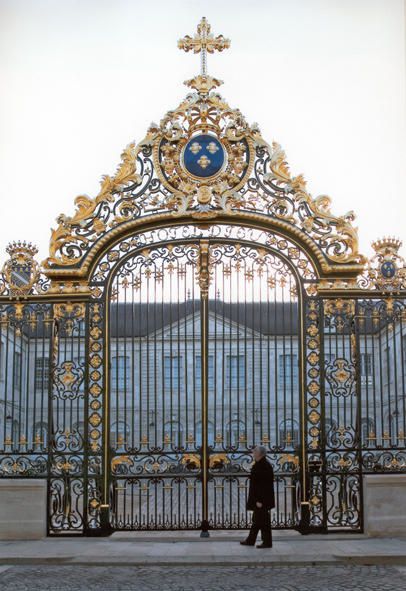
x=261 y=520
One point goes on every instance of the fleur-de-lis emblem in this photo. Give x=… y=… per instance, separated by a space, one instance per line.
x=195 y=147
x=203 y=161
x=213 y=148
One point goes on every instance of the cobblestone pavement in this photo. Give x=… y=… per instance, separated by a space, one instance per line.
x=216 y=578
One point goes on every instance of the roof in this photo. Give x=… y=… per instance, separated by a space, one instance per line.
x=140 y=319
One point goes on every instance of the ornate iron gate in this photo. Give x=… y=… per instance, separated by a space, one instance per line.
x=203 y=302
x=205 y=359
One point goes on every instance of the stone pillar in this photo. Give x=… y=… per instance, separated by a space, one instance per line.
x=23 y=511
x=384 y=505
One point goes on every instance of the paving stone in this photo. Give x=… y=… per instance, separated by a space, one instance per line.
x=216 y=578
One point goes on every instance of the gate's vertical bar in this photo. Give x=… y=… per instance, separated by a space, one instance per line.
x=356 y=354
x=53 y=357
x=204 y=325
x=105 y=526
x=304 y=503
x=84 y=349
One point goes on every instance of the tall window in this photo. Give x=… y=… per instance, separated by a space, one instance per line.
x=199 y=433
x=120 y=372
x=236 y=436
x=367 y=431
x=235 y=371
x=404 y=349
x=17 y=369
x=119 y=434
x=2 y=357
x=41 y=373
x=40 y=435
x=366 y=367
x=198 y=371
x=174 y=433
x=386 y=366
x=289 y=433
x=172 y=369
x=288 y=369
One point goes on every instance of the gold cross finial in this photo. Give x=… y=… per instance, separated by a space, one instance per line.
x=203 y=42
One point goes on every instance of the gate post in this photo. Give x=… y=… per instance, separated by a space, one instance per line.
x=311 y=413
x=204 y=279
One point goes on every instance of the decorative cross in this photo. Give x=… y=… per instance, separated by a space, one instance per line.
x=203 y=42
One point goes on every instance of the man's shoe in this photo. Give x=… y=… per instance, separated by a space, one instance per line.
x=264 y=545
x=247 y=543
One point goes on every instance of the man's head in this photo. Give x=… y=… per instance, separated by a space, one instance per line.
x=259 y=452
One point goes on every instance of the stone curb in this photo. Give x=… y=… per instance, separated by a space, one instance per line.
x=275 y=561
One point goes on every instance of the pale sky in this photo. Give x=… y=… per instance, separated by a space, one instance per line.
x=80 y=79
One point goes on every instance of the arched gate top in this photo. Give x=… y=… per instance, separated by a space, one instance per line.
x=202 y=162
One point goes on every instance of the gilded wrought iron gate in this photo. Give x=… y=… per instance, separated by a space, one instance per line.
x=204 y=358
x=201 y=303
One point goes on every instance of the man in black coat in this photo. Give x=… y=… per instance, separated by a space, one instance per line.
x=261 y=499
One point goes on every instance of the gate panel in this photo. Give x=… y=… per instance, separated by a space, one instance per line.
x=68 y=469
x=342 y=468
x=25 y=335
x=155 y=391
x=253 y=381
x=382 y=330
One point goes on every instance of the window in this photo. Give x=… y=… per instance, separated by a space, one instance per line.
x=236 y=436
x=17 y=369
x=40 y=438
x=12 y=431
x=119 y=434
x=288 y=369
x=41 y=373
x=289 y=433
x=367 y=431
x=386 y=366
x=172 y=368
x=120 y=375
x=366 y=364
x=404 y=349
x=2 y=357
x=366 y=368
x=235 y=371
x=198 y=371
x=173 y=433
x=199 y=433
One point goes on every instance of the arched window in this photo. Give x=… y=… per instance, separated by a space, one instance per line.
x=289 y=433
x=199 y=433
x=12 y=431
x=236 y=433
x=395 y=425
x=119 y=434
x=367 y=431
x=173 y=433
x=40 y=435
